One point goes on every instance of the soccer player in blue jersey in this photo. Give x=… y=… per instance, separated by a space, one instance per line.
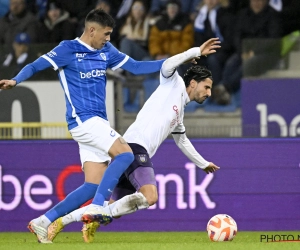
x=81 y=65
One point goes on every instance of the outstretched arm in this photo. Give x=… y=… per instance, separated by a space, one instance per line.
x=207 y=48
x=28 y=71
x=142 y=67
x=188 y=149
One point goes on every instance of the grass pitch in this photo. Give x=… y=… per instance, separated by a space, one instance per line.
x=147 y=240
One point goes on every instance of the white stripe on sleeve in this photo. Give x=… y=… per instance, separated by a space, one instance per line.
x=55 y=67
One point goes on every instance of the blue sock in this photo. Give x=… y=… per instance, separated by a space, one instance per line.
x=73 y=201
x=111 y=177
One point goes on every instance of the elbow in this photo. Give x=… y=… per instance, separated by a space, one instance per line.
x=167 y=65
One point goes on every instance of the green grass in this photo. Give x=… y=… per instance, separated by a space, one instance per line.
x=145 y=240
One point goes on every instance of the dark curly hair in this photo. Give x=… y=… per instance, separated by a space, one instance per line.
x=198 y=73
x=101 y=17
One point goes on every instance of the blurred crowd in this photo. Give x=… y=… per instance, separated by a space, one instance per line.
x=251 y=32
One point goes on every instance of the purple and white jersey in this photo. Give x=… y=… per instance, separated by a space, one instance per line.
x=82 y=74
x=161 y=115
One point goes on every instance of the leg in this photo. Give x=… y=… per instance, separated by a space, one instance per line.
x=150 y=193
x=138 y=177
x=93 y=172
x=122 y=155
x=143 y=180
x=93 y=175
x=97 y=136
x=74 y=200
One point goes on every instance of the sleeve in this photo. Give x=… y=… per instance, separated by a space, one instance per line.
x=31 y=68
x=116 y=58
x=59 y=57
x=188 y=149
x=173 y=62
x=142 y=67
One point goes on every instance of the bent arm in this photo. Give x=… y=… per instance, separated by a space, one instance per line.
x=173 y=62
x=142 y=67
x=188 y=149
x=32 y=68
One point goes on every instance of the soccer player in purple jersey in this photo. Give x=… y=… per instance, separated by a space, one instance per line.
x=146 y=134
x=81 y=65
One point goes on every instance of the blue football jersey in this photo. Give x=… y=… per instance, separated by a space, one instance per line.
x=82 y=74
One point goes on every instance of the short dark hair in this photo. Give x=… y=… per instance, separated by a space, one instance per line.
x=101 y=17
x=198 y=73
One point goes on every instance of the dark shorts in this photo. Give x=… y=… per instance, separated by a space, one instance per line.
x=138 y=174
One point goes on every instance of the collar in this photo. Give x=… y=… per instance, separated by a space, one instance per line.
x=85 y=44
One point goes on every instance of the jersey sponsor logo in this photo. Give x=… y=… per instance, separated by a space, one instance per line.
x=93 y=73
x=80 y=56
x=52 y=53
x=175 y=120
x=103 y=56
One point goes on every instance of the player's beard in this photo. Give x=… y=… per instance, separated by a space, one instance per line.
x=201 y=100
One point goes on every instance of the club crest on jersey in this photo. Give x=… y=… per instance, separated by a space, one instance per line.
x=103 y=56
x=142 y=158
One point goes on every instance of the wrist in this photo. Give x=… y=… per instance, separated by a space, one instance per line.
x=195 y=52
x=16 y=82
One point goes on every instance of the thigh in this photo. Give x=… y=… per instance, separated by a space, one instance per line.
x=95 y=135
x=142 y=176
x=142 y=179
x=93 y=155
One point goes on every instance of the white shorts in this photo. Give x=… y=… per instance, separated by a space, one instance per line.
x=95 y=137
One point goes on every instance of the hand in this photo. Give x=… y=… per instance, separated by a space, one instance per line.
x=7 y=84
x=210 y=46
x=211 y=168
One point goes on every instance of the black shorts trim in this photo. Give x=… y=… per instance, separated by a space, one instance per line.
x=178 y=133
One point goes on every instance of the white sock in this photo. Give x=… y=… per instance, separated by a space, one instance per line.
x=109 y=207
x=127 y=205
x=105 y=203
x=74 y=216
x=42 y=221
x=107 y=210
